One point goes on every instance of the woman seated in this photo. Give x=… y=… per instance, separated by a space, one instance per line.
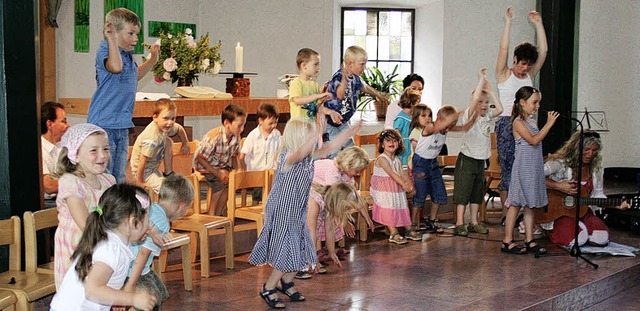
x=561 y=172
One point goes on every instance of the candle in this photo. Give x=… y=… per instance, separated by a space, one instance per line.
x=239 y=51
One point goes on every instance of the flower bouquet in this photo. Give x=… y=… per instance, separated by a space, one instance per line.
x=182 y=58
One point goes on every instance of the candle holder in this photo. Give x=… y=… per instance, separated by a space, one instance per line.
x=238 y=85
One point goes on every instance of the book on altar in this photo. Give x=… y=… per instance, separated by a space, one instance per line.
x=150 y=96
x=202 y=92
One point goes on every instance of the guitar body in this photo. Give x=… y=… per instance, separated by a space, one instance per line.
x=560 y=204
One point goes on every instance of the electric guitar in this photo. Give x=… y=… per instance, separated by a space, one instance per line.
x=561 y=204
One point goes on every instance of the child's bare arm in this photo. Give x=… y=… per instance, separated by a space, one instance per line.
x=541 y=37
x=96 y=290
x=342 y=87
x=373 y=92
x=242 y=165
x=330 y=235
x=477 y=91
x=148 y=65
x=303 y=100
x=466 y=126
x=182 y=134
x=520 y=129
x=386 y=166
x=337 y=141
x=502 y=68
x=113 y=63
x=136 y=269
x=222 y=175
x=334 y=115
x=78 y=210
x=494 y=98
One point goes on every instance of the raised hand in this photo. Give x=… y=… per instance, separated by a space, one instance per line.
x=552 y=116
x=109 y=31
x=482 y=74
x=535 y=17
x=508 y=15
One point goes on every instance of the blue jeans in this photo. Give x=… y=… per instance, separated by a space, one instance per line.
x=428 y=180
x=119 y=149
x=333 y=131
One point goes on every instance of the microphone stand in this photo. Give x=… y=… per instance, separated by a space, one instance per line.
x=575 y=250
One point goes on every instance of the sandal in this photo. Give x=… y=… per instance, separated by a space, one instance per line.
x=536 y=248
x=275 y=303
x=397 y=238
x=296 y=296
x=513 y=248
x=413 y=235
x=341 y=252
x=322 y=269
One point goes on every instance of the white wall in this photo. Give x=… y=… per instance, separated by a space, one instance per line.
x=609 y=74
x=454 y=38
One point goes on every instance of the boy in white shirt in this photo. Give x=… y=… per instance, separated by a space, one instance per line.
x=262 y=146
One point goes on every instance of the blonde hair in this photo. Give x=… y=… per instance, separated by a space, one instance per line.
x=296 y=133
x=352 y=157
x=121 y=16
x=64 y=165
x=354 y=53
x=571 y=154
x=340 y=201
x=446 y=111
x=176 y=189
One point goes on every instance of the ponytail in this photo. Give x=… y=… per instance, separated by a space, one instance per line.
x=64 y=165
x=116 y=205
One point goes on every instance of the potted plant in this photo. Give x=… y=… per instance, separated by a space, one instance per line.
x=387 y=85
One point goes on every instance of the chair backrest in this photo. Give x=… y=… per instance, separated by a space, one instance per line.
x=10 y=235
x=182 y=164
x=239 y=181
x=34 y=222
x=444 y=161
x=365 y=176
x=370 y=139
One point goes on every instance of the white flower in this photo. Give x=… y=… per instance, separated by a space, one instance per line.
x=166 y=76
x=170 y=64
x=169 y=36
x=158 y=42
x=205 y=64
x=188 y=31
x=216 y=68
x=190 y=42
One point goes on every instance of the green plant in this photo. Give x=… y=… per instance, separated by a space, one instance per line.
x=385 y=84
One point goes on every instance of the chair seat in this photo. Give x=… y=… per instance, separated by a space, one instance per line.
x=34 y=285
x=195 y=221
x=250 y=212
x=7 y=299
x=177 y=240
x=46 y=268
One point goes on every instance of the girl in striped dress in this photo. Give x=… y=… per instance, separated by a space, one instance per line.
x=389 y=185
x=527 y=187
x=285 y=242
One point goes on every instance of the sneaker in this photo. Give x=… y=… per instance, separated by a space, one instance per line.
x=303 y=275
x=478 y=228
x=461 y=230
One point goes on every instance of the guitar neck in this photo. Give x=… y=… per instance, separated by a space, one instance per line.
x=599 y=201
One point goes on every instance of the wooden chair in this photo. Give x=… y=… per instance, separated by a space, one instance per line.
x=364 y=184
x=493 y=175
x=26 y=286
x=7 y=300
x=242 y=181
x=183 y=241
x=34 y=222
x=370 y=139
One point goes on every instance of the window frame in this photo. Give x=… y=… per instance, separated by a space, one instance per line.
x=377 y=10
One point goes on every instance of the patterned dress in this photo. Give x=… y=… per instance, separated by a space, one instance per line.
x=527 y=187
x=390 y=206
x=68 y=233
x=285 y=242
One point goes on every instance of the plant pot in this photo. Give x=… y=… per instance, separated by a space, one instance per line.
x=381 y=110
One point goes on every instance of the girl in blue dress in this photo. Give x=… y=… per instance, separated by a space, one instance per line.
x=527 y=187
x=285 y=242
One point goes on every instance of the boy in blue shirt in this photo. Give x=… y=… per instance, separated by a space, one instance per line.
x=344 y=87
x=117 y=76
x=176 y=195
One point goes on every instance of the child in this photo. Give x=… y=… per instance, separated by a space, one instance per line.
x=527 y=187
x=260 y=149
x=304 y=91
x=82 y=178
x=402 y=123
x=285 y=242
x=150 y=147
x=217 y=153
x=347 y=165
x=102 y=258
x=412 y=81
x=175 y=196
x=527 y=61
x=117 y=75
x=345 y=86
x=389 y=187
x=340 y=200
x=426 y=172
x=475 y=150
x=421 y=116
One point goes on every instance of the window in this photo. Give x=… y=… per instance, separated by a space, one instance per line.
x=386 y=34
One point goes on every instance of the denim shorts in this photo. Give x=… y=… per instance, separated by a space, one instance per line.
x=119 y=149
x=428 y=180
x=332 y=132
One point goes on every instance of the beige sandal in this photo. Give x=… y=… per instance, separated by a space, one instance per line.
x=397 y=238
